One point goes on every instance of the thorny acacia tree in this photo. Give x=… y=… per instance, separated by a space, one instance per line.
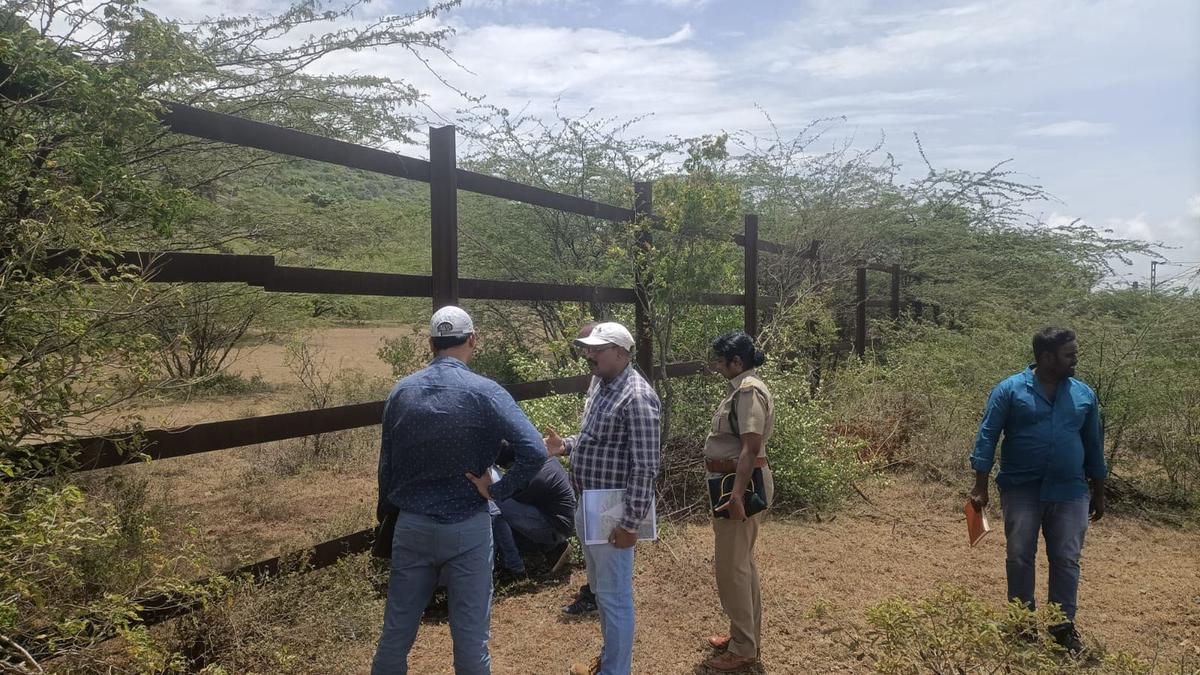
x=85 y=165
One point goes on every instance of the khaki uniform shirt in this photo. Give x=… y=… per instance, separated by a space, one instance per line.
x=755 y=414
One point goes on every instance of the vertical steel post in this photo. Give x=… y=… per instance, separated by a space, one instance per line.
x=895 y=292
x=643 y=206
x=750 y=318
x=443 y=216
x=860 y=311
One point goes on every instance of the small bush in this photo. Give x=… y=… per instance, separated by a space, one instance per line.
x=295 y=623
x=405 y=354
x=76 y=564
x=954 y=632
x=223 y=383
x=814 y=467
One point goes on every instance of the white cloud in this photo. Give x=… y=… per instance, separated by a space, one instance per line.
x=956 y=41
x=672 y=4
x=1193 y=206
x=1137 y=227
x=1070 y=129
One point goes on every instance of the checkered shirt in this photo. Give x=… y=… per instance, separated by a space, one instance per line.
x=618 y=444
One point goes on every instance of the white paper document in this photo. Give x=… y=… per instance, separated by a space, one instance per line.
x=602 y=511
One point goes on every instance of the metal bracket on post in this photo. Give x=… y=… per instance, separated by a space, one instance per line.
x=443 y=216
x=750 y=319
x=643 y=206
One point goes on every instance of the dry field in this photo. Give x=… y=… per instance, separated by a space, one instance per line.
x=1140 y=589
x=338 y=350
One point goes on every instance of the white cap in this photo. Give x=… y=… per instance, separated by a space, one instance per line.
x=451 y=321
x=608 y=333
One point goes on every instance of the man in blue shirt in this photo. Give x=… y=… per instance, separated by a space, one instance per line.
x=1053 y=446
x=442 y=428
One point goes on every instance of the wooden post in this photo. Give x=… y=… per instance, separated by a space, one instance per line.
x=643 y=206
x=860 y=311
x=896 y=292
x=443 y=216
x=750 y=318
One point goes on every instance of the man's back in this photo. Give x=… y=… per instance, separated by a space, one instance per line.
x=440 y=423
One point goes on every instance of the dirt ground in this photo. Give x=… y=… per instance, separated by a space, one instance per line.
x=1140 y=588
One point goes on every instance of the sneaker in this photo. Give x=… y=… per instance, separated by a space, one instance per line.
x=559 y=556
x=584 y=605
x=1067 y=637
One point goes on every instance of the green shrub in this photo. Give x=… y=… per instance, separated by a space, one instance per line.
x=74 y=565
x=951 y=631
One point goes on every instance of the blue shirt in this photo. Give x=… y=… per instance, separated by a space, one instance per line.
x=438 y=424
x=1058 y=443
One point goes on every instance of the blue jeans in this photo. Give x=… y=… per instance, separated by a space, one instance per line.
x=521 y=527
x=610 y=573
x=462 y=553
x=1063 y=524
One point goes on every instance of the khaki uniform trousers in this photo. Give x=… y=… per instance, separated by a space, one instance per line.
x=737 y=577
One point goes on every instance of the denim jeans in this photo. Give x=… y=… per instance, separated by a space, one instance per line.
x=610 y=573
x=462 y=554
x=1063 y=524
x=521 y=527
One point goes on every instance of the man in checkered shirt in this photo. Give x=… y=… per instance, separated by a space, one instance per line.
x=617 y=447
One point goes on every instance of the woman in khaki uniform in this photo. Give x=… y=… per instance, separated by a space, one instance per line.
x=737 y=444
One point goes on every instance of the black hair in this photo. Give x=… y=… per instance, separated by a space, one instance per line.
x=740 y=345
x=1050 y=339
x=448 y=342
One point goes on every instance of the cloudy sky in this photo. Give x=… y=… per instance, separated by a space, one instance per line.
x=1097 y=100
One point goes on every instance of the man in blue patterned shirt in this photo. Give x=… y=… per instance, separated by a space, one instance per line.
x=617 y=447
x=1053 y=446
x=442 y=430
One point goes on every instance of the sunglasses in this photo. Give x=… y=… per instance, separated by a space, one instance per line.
x=583 y=351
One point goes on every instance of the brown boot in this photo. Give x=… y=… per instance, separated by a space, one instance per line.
x=718 y=642
x=580 y=669
x=728 y=662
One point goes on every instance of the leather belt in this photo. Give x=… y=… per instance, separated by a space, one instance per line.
x=730 y=465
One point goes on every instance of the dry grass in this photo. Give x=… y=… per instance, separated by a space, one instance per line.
x=1140 y=592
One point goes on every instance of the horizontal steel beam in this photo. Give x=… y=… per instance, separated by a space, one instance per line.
x=109 y=450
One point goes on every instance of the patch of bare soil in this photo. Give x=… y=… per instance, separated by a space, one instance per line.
x=339 y=350
x=352 y=348
x=1140 y=589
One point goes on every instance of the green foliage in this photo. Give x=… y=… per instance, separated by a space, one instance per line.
x=405 y=354
x=74 y=566
x=562 y=413
x=223 y=384
x=814 y=467
x=953 y=632
x=85 y=164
